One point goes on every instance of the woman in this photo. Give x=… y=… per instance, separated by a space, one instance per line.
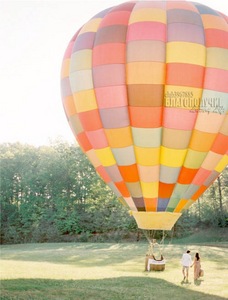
x=197 y=266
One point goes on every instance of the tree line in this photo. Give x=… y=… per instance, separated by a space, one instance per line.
x=52 y=194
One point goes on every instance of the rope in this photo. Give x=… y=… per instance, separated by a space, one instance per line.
x=163 y=241
x=150 y=236
x=171 y=237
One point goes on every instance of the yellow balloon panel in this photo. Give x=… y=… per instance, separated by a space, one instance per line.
x=147 y=156
x=114 y=137
x=105 y=156
x=222 y=164
x=85 y=100
x=172 y=157
x=150 y=189
x=91 y=26
x=186 y=53
x=148 y=15
x=145 y=73
x=65 y=68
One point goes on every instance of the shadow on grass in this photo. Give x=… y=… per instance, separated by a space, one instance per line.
x=122 y=288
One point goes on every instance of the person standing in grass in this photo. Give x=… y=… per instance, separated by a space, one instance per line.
x=186 y=263
x=197 y=266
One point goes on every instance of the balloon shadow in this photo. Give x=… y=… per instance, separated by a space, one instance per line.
x=124 y=288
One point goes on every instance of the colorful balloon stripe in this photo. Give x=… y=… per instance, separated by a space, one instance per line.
x=145 y=91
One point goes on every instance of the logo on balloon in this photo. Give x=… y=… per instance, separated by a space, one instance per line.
x=186 y=100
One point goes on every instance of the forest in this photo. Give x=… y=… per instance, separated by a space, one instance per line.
x=53 y=194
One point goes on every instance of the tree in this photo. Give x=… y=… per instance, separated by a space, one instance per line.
x=50 y=192
x=212 y=207
x=53 y=192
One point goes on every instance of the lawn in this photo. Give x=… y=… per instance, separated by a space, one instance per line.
x=107 y=271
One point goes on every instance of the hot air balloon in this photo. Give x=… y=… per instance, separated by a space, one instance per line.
x=145 y=91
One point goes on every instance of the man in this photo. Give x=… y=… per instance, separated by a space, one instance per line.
x=186 y=263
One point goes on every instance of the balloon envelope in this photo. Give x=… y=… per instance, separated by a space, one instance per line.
x=145 y=91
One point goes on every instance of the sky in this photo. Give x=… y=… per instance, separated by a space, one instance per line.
x=34 y=35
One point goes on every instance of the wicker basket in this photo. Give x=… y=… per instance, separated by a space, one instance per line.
x=158 y=265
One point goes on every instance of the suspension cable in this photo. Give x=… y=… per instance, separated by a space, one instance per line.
x=150 y=236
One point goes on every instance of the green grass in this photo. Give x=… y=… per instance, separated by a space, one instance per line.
x=107 y=271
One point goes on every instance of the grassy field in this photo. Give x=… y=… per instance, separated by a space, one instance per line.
x=88 y=271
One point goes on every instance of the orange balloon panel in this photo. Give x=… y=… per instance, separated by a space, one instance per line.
x=145 y=91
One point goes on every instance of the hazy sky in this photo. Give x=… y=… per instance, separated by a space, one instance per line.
x=34 y=35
